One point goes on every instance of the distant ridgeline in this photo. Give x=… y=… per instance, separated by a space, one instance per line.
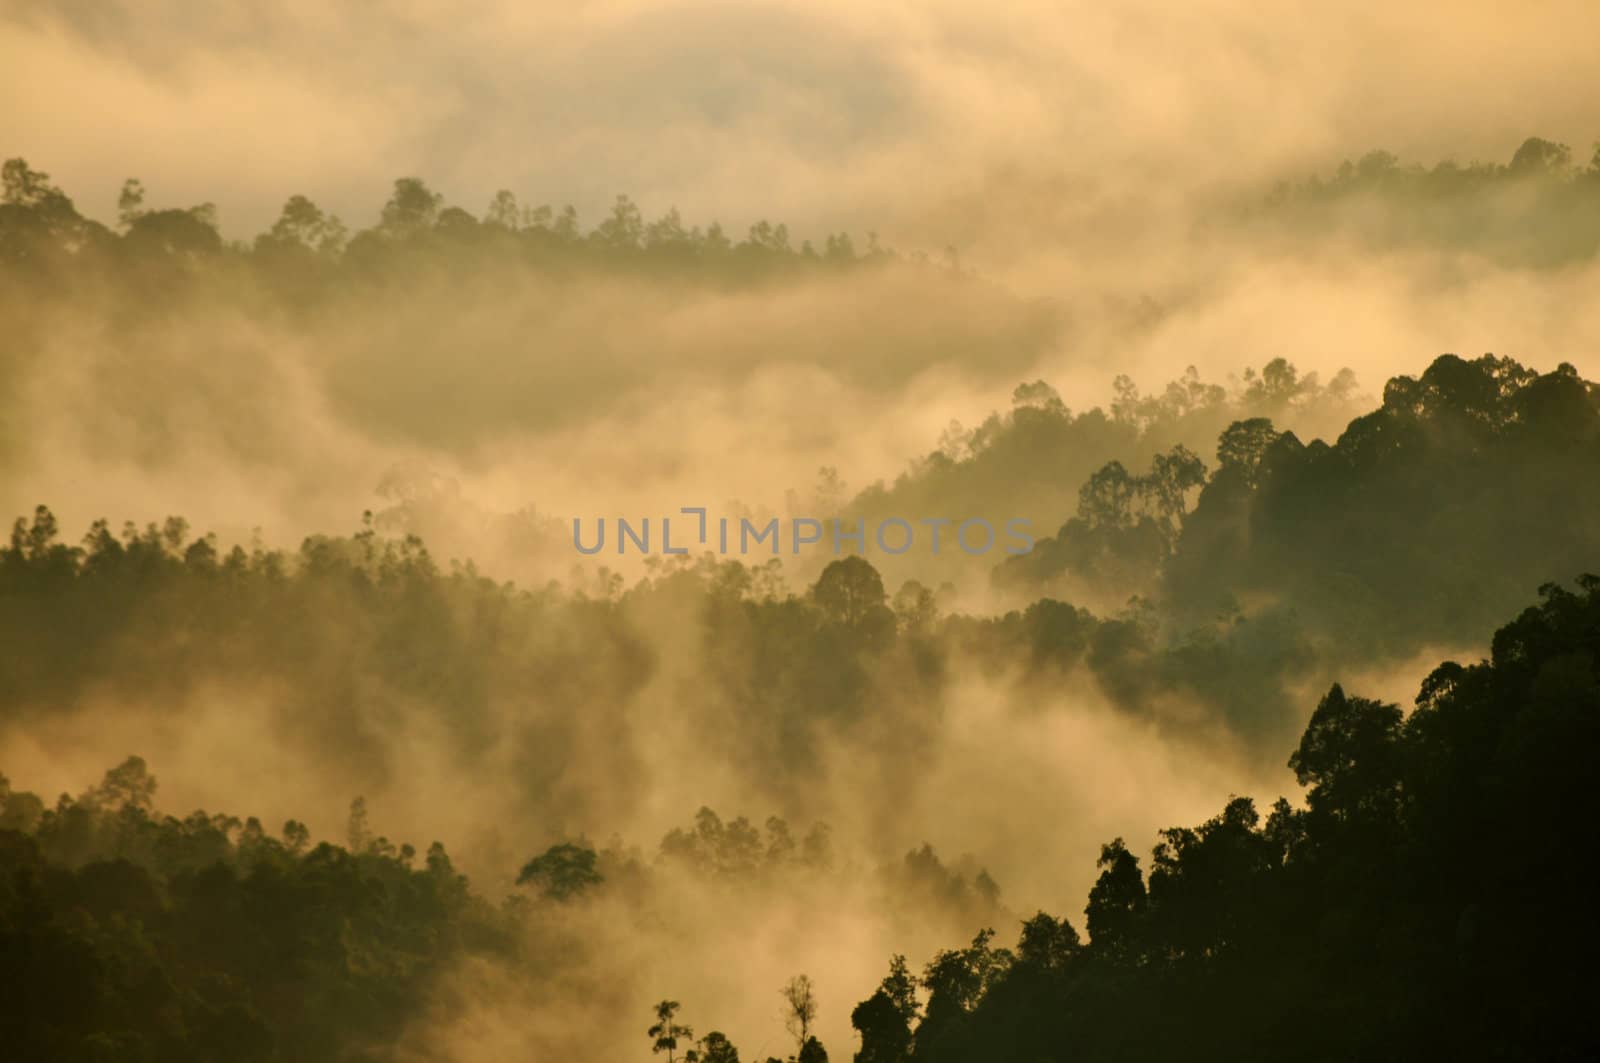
x=1425 y=520
x=1429 y=901
x=1031 y=460
x=1467 y=488
x=41 y=229
x=1540 y=209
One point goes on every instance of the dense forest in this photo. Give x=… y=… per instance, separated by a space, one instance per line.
x=1414 y=904
x=1227 y=374
x=702 y=799
x=1457 y=462
x=130 y=935
x=135 y=935
x=191 y=938
x=1425 y=901
x=1541 y=208
x=436 y=329
x=1280 y=559
x=41 y=227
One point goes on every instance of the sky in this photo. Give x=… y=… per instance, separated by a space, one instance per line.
x=937 y=123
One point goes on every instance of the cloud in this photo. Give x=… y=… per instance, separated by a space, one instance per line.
x=823 y=113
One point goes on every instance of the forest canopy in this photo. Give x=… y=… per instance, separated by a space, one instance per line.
x=693 y=805
x=208 y=937
x=1409 y=905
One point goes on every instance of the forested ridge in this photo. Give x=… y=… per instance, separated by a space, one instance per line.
x=387 y=319
x=1282 y=557
x=1366 y=538
x=1423 y=901
x=1410 y=903
x=666 y=783
x=42 y=230
x=131 y=935
x=1539 y=209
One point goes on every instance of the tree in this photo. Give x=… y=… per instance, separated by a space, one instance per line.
x=716 y=1048
x=667 y=231
x=357 y=833
x=130 y=202
x=1106 y=498
x=1350 y=758
x=455 y=221
x=561 y=872
x=1166 y=487
x=884 y=1019
x=128 y=785
x=296 y=836
x=667 y=1031
x=812 y=1052
x=1243 y=444
x=1279 y=380
x=1047 y=943
x=1539 y=156
x=23 y=186
x=915 y=606
x=850 y=592
x=900 y=986
x=411 y=207
x=503 y=211
x=188 y=234
x=885 y=1033
x=302 y=225
x=1117 y=897
x=1038 y=395
x=800 y=1008
x=29 y=202
x=623 y=230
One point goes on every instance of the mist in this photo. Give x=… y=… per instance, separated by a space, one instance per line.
x=320 y=329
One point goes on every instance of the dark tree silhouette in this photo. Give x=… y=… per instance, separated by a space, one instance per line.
x=666 y=1032
x=799 y=1009
x=561 y=871
x=1413 y=906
